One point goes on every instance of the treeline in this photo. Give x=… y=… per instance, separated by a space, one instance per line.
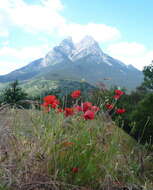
x=136 y=121
x=138 y=118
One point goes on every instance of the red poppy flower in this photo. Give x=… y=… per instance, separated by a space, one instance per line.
x=119 y=92
x=59 y=110
x=86 y=106
x=120 y=111
x=44 y=105
x=109 y=106
x=55 y=103
x=66 y=144
x=75 y=170
x=89 y=115
x=49 y=99
x=69 y=111
x=78 y=108
x=116 y=97
x=76 y=94
x=95 y=108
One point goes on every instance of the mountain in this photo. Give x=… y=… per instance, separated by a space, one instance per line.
x=24 y=73
x=84 y=60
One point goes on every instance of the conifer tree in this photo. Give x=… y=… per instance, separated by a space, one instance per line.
x=13 y=94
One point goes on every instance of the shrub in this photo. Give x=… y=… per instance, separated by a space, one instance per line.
x=142 y=120
x=13 y=95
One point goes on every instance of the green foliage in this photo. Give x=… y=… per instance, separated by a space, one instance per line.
x=48 y=146
x=142 y=120
x=129 y=102
x=13 y=94
x=42 y=87
x=148 y=76
x=3 y=187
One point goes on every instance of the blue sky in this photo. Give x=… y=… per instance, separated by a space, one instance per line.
x=30 y=28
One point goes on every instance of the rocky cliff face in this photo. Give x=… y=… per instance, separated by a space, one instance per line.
x=76 y=61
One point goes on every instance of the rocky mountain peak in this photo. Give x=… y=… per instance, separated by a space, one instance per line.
x=65 y=47
x=76 y=61
x=87 y=46
x=88 y=41
x=67 y=42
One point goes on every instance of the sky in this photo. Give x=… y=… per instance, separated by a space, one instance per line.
x=30 y=28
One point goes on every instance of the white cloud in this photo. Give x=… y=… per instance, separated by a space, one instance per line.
x=6 y=67
x=19 y=57
x=126 y=48
x=34 y=18
x=131 y=53
x=3 y=26
x=100 y=32
x=53 y=4
x=5 y=43
x=45 y=17
x=4 y=33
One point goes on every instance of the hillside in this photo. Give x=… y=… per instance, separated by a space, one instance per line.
x=39 y=87
x=49 y=150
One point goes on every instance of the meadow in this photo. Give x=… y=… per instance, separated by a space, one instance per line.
x=77 y=148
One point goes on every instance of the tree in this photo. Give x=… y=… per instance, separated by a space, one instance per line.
x=148 y=76
x=142 y=117
x=14 y=94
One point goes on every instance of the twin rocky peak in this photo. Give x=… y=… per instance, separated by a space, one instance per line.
x=67 y=49
x=83 y=60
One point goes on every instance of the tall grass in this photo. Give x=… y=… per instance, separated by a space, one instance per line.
x=51 y=151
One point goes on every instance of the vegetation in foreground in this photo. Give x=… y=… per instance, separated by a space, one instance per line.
x=75 y=148
x=79 y=146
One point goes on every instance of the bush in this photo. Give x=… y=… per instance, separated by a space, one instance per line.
x=129 y=102
x=142 y=120
x=13 y=95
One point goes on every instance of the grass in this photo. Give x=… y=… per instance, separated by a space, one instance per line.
x=40 y=149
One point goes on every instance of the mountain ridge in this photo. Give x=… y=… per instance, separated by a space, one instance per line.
x=82 y=60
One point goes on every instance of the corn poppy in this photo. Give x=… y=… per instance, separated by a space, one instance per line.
x=89 y=115
x=76 y=94
x=69 y=111
x=119 y=92
x=86 y=106
x=75 y=170
x=109 y=106
x=120 y=111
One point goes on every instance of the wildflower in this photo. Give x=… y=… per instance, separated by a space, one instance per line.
x=55 y=103
x=69 y=111
x=76 y=94
x=120 y=111
x=116 y=97
x=44 y=105
x=119 y=92
x=109 y=106
x=59 y=110
x=89 y=115
x=49 y=99
x=78 y=108
x=68 y=143
x=75 y=170
x=95 y=109
x=86 y=106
